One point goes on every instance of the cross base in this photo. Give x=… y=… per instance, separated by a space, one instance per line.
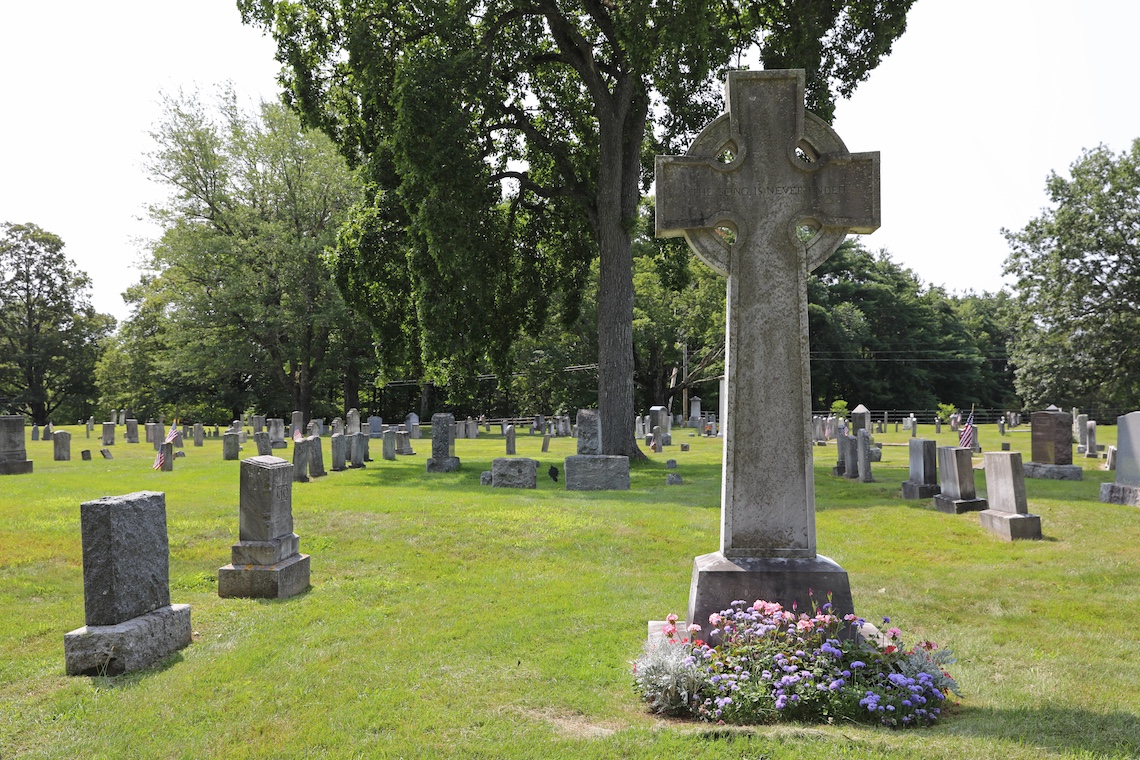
x=720 y=580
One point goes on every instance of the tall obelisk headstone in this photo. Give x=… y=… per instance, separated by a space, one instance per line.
x=744 y=195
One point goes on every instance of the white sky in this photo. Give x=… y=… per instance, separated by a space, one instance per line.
x=977 y=103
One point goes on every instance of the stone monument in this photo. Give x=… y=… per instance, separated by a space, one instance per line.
x=265 y=562
x=13 y=451
x=1126 y=488
x=514 y=472
x=1008 y=514
x=1052 y=446
x=443 y=457
x=923 y=480
x=766 y=194
x=956 y=470
x=590 y=469
x=131 y=623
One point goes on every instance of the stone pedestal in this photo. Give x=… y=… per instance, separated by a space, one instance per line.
x=1008 y=516
x=1120 y=493
x=1053 y=471
x=265 y=562
x=111 y=650
x=514 y=472
x=923 y=480
x=599 y=472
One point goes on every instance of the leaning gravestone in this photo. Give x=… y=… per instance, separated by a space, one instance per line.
x=956 y=470
x=1126 y=488
x=13 y=451
x=265 y=562
x=1051 y=447
x=1008 y=514
x=316 y=457
x=131 y=623
x=923 y=480
x=443 y=457
x=746 y=176
x=590 y=469
x=261 y=440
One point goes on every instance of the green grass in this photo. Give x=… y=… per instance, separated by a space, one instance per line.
x=451 y=620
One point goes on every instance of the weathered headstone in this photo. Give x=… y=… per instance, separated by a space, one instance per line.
x=1110 y=458
x=352 y=421
x=743 y=175
x=90 y=425
x=514 y=472
x=388 y=449
x=956 y=477
x=35 y=432
x=1008 y=514
x=375 y=427
x=590 y=469
x=85 y=455
x=1051 y=447
x=510 y=440
x=130 y=622
x=199 y=434
x=1082 y=431
x=545 y=443
x=300 y=461
x=108 y=434
x=486 y=478
x=1126 y=488
x=863 y=448
x=276 y=433
x=297 y=423
x=257 y=421
x=673 y=479
x=106 y=453
x=13 y=451
x=1091 y=451
x=261 y=440
x=695 y=411
x=413 y=423
x=923 y=480
x=316 y=457
x=338 y=446
x=132 y=434
x=356 y=449
x=231 y=448
x=443 y=457
x=167 y=453
x=860 y=420
x=265 y=562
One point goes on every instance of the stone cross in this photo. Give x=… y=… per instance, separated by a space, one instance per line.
x=766 y=194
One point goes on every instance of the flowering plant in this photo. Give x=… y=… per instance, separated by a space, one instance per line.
x=764 y=663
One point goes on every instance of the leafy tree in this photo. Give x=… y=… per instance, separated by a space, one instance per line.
x=1077 y=304
x=250 y=307
x=49 y=331
x=508 y=143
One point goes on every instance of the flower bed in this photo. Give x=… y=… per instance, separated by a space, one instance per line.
x=765 y=663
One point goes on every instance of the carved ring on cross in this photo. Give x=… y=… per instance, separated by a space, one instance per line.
x=819 y=140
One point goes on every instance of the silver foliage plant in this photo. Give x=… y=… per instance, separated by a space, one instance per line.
x=667 y=677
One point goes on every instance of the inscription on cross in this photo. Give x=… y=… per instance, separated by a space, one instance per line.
x=765 y=194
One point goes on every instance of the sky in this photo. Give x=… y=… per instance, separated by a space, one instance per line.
x=978 y=102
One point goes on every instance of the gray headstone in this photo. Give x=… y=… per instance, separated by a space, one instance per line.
x=850 y=456
x=510 y=440
x=352 y=421
x=443 y=457
x=486 y=478
x=231 y=448
x=1091 y=451
x=108 y=434
x=13 y=451
x=545 y=443
x=863 y=444
x=297 y=423
x=356 y=449
x=597 y=473
x=375 y=427
x=1082 y=429
x=276 y=427
x=514 y=472
x=589 y=432
x=922 y=482
x=85 y=455
x=956 y=478
x=35 y=432
x=132 y=434
x=261 y=440
x=316 y=457
x=338 y=446
x=1008 y=514
x=673 y=479
x=389 y=445
x=106 y=453
x=1051 y=437
x=300 y=461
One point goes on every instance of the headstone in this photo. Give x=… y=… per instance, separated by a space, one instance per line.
x=850 y=446
x=316 y=457
x=599 y=472
x=277 y=433
x=860 y=420
x=60 y=446
x=132 y=434
x=35 y=432
x=545 y=443
x=130 y=622
x=90 y=425
x=486 y=478
x=1082 y=430
x=1008 y=514
x=258 y=422
x=375 y=427
x=404 y=443
x=472 y=428
x=1051 y=447
x=389 y=445
x=670 y=464
x=356 y=449
x=313 y=429
x=657 y=436
x=122 y=416
x=956 y=474
x=923 y=480
x=514 y=472
x=443 y=457
x=338 y=446
x=863 y=442
x=673 y=479
x=167 y=454
x=1091 y=451
x=265 y=562
x=108 y=433
x=85 y=455
x=510 y=440
x=684 y=447
x=13 y=451
x=231 y=447
x=199 y=434
x=1126 y=488
x=300 y=461
x=261 y=440
x=297 y=423
x=589 y=432
x=938 y=426
x=695 y=411
x=158 y=436
x=366 y=441
x=413 y=423
x=106 y=453
x=338 y=426
x=353 y=421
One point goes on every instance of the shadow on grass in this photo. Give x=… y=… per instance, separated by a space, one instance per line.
x=134 y=678
x=1113 y=734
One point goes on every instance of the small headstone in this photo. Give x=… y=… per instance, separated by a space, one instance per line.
x=258 y=422
x=1008 y=514
x=276 y=433
x=130 y=622
x=443 y=457
x=670 y=464
x=850 y=446
x=545 y=443
x=510 y=440
x=199 y=434
x=316 y=457
x=1091 y=451
x=923 y=480
x=180 y=455
x=863 y=448
x=657 y=436
x=413 y=423
x=35 y=432
x=1005 y=446
x=485 y=478
x=389 y=445
x=514 y=472
x=106 y=453
x=13 y=452
x=261 y=440
x=1110 y=459
x=356 y=449
x=132 y=434
x=589 y=432
x=85 y=455
x=231 y=448
x=956 y=473
x=338 y=445
x=684 y=447
x=108 y=434
x=265 y=562
x=672 y=479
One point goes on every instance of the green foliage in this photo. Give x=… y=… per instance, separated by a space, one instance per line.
x=1078 y=286
x=239 y=307
x=509 y=145
x=839 y=407
x=946 y=411
x=49 y=332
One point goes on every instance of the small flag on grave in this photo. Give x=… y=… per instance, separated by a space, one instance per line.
x=966 y=434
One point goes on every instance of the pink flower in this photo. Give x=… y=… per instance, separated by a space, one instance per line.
x=671 y=618
x=694 y=628
x=894 y=633
x=805 y=625
x=714 y=619
x=669 y=629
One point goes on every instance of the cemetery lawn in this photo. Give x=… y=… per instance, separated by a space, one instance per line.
x=452 y=620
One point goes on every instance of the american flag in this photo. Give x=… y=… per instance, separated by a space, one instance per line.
x=158 y=460
x=966 y=434
x=297 y=437
x=174 y=432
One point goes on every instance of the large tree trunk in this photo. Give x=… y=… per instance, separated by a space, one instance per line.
x=620 y=131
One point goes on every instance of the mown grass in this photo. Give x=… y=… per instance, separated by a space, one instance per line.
x=451 y=620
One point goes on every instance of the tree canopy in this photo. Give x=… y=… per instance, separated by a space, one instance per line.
x=49 y=331
x=507 y=144
x=1078 y=286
